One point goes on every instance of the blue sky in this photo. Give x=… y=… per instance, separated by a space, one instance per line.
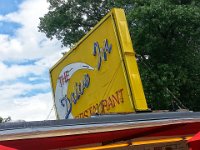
x=25 y=60
x=6 y=7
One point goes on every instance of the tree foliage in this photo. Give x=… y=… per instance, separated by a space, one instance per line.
x=1 y=119
x=168 y=31
x=5 y=119
x=69 y=20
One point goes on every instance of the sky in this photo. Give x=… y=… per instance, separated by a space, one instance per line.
x=26 y=56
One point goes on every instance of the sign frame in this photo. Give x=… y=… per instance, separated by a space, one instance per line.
x=127 y=55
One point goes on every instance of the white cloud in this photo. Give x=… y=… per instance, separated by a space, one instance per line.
x=29 y=108
x=15 y=71
x=26 y=44
x=1 y=18
x=9 y=92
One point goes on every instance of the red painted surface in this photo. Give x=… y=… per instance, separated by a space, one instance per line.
x=194 y=142
x=77 y=140
x=6 y=148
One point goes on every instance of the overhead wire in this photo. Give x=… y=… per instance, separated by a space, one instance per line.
x=47 y=118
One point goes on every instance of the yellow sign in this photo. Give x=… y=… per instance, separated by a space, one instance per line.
x=100 y=74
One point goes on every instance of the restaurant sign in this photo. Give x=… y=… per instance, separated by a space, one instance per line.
x=100 y=74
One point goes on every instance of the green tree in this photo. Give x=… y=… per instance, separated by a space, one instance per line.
x=167 y=31
x=8 y=119
x=5 y=119
x=1 y=119
x=69 y=20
